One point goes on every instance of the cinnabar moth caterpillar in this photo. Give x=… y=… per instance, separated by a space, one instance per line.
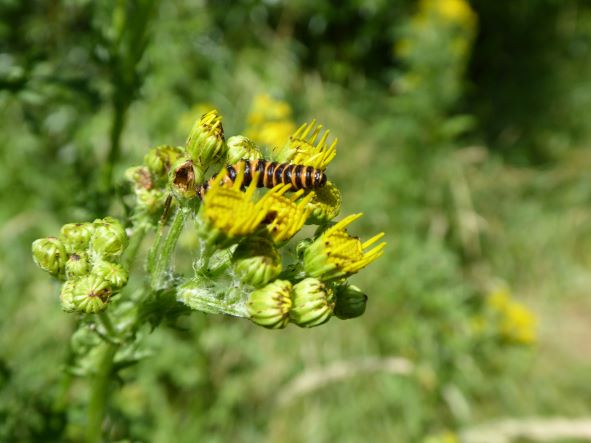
x=271 y=174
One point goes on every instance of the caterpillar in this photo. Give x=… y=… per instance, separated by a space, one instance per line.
x=271 y=174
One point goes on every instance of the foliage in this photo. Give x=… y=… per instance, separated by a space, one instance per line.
x=443 y=119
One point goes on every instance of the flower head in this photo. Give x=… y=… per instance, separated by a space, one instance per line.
x=325 y=205
x=206 y=143
x=269 y=306
x=89 y=294
x=230 y=212
x=240 y=147
x=336 y=254
x=256 y=260
x=50 y=255
x=109 y=239
x=313 y=303
x=351 y=302
x=305 y=148
x=284 y=215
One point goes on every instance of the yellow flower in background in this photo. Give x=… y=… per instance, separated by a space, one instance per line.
x=515 y=322
x=444 y=437
x=452 y=11
x=269 y=121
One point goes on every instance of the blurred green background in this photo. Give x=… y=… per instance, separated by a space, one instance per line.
x=463 y=134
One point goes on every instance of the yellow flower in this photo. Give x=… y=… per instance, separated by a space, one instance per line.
x=304 y=149
x=269 y=121
x=231 y=211
x=285 y=216
x=451 y=11
x=336 y=254
x=325 y=205
x=515 y=323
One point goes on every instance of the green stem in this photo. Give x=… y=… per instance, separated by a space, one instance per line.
x=163 y=253
x=117 y=125
x=99 y=394
x=106 y=322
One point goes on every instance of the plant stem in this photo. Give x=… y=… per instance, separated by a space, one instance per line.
x=105 y=320
x=100 y=393
x=162 y=255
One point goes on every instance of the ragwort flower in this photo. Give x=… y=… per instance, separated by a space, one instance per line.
x=230 y=212
x=303 y=147
x=336 y=254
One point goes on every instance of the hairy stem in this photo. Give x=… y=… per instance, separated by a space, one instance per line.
x=100 y=393
x=161 y=257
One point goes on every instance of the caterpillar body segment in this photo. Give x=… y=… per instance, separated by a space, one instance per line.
x=269 y=174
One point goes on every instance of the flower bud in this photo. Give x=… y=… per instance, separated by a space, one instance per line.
x=257 y=261
x=50 y=255
x=108 y=239
x=325 y=205
x=159 y=160
x=351 y=302
x=269 y=306
x=75 y=236
x=313 y=303
x=206 y=143
x=67 y=295
x=240 y=147
x=115 y=274
x=139 y=177
x=150 y=200
x=77 y=265
x=90 y=294
x=184 y=177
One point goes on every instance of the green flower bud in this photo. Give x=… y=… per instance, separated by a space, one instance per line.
x=206 y=143
x=184 y=178
x=160 y=160
x=257 y=261
x=269 y=306
x=67 y=295
x=115 y=274
x=75 y=236
x=351 y=302
x=139 y=177
x=91 y=294
x=313 y=303
x=240 y=147
x=77 y=265
x=50 y=255
x=325 y=205
x=150 y=200
x=108 y=239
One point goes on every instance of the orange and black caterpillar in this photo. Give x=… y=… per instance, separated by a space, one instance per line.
x=271 y=174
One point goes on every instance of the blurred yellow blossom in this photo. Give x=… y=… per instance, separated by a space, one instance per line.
x=515 y=322
x=269 y=121
x=453 y=11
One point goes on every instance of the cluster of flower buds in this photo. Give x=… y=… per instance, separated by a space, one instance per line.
x=307 y=303
x=86 y=257
x=250 y=231
x=149 y=183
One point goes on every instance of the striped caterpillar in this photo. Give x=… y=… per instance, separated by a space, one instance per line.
x=270 y=174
